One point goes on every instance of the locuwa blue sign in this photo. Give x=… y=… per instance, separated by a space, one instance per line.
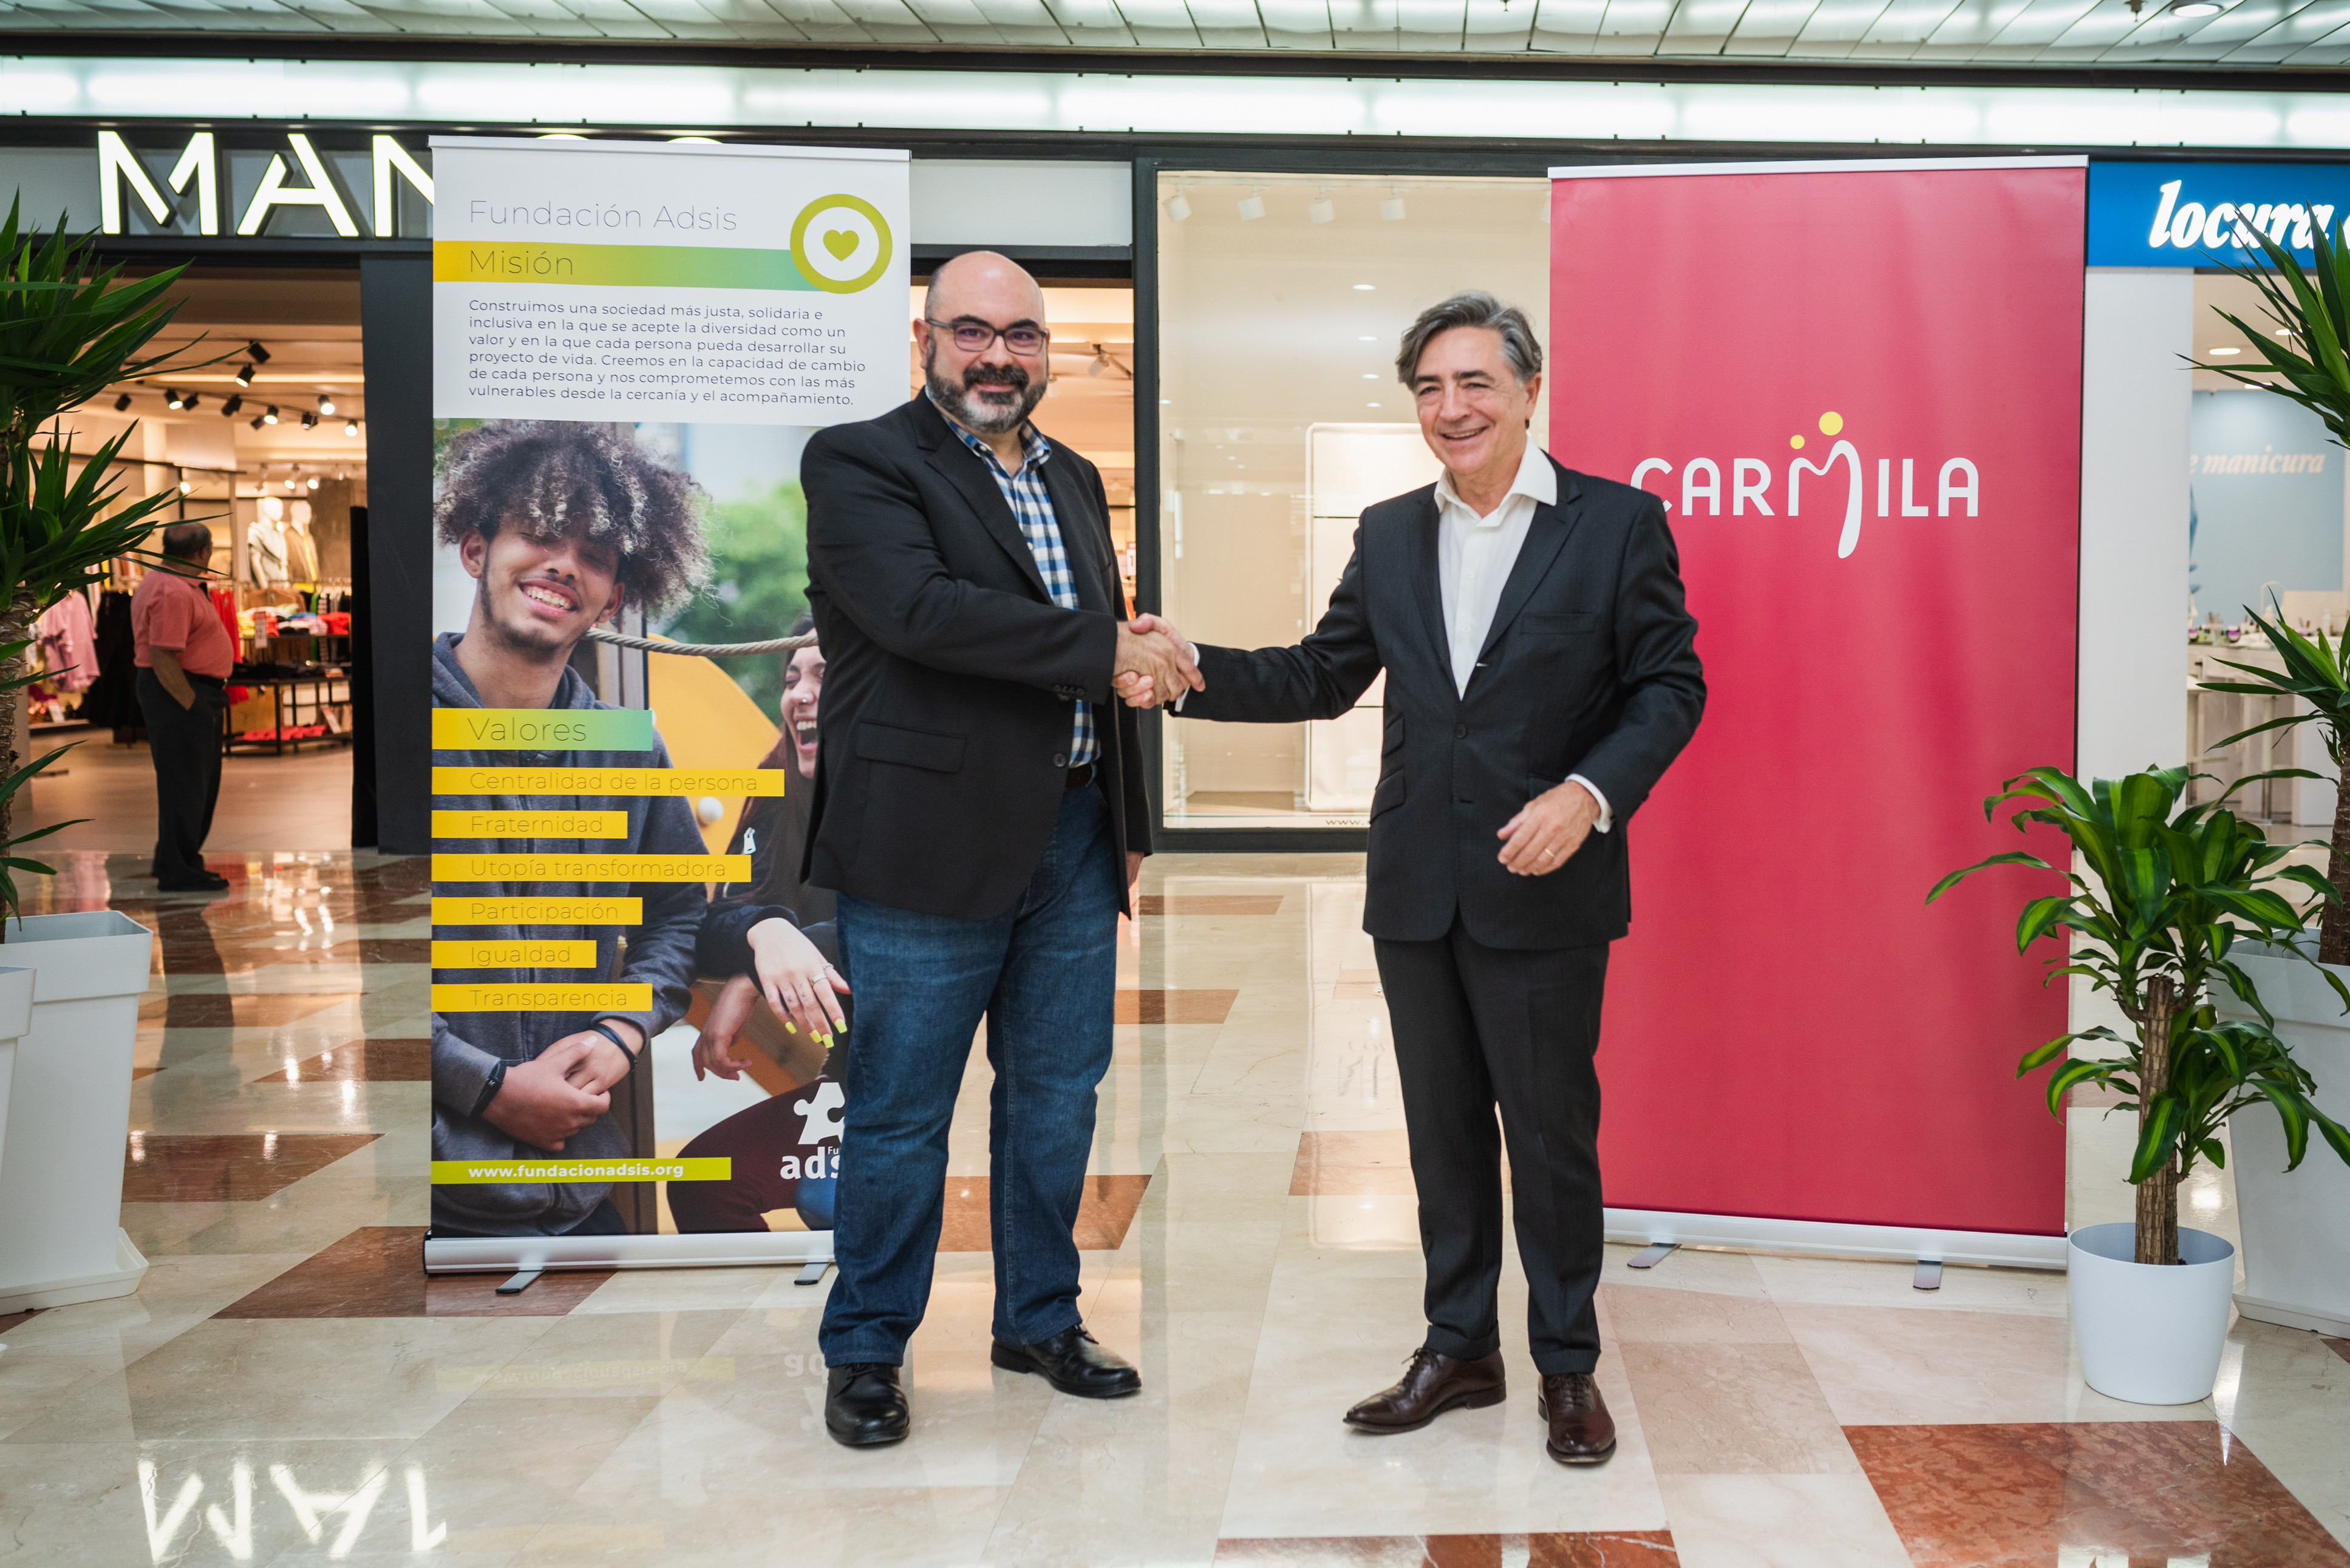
x=2205 y=214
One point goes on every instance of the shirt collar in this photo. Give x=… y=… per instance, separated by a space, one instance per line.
x=1537 y=481
x=1034 y=448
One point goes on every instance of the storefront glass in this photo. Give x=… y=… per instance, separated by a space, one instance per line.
x=1281 y=301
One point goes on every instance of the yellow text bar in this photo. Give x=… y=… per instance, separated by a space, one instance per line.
x=502 y=1172
x=723 y=783
x=530 y=825
x=580 y=912
x=549 y=954
x=581 y=998
x=528 y=867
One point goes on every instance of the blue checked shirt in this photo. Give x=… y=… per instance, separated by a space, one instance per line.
x=1025 y=493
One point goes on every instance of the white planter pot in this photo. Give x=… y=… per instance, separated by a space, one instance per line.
x=15 y=1017
x=61 y=1238
x=2149 y=1332
x=2297 y=1226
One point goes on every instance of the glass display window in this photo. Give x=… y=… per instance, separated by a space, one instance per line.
x=1282 y=300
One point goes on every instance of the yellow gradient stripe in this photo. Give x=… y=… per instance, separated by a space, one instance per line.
x=526 y=954
x=502 y=1172
x=530 y=825
x=726 y=783
x=522 y=866
x=584 y=997
x=585 y=910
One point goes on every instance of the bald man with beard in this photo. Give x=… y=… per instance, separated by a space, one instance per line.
x=979 y=810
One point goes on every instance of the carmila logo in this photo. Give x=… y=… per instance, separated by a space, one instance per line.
x=1751 y=478
x=2193 y=225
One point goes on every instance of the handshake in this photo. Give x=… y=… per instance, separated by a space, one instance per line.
x=1154 y=664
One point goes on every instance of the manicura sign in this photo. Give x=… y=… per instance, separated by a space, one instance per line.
x=1955 y=482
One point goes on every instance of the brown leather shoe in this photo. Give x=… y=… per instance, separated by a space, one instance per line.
x=1582 y=1432
x=1432 y=1384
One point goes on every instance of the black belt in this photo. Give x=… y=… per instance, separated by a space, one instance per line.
x=1078 y=776
x=215 y=681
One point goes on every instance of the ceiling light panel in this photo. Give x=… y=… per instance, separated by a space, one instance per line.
x=719 y=97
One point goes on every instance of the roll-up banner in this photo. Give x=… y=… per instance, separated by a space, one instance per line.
x=1856 y=388
x=632 y=342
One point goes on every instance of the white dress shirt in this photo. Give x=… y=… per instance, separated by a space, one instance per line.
x=1473 y=557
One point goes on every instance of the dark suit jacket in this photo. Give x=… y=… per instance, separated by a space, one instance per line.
x=1590 y=668
x=949 y=671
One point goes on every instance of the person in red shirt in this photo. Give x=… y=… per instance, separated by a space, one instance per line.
x=185 y=655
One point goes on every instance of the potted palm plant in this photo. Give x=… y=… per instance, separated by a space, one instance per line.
x=2297 y=1232
x=68 y=327
x=2167 y=898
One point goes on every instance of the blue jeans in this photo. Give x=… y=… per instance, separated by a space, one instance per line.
x=1044 y=975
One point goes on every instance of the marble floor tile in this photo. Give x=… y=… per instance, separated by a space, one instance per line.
x=1662 y=1315
x=362 y=1061
x=1780 y=1521
x=1716 y=1408
x=217 y=1010
x=379 y=1271
x=1164 y=1006
x=2117 y=1492
x=327 y=1377
x=1626 y=1548
x=1104 y=1213
x=185 y=1167
x=1208 y=904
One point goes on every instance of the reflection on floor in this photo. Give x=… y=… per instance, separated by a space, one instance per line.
x=289 y=1387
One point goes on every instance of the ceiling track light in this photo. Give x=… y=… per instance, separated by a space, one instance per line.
x=235 y=401
x=171 y=399
x=191 y=401
x=327 y=404
x=258 y=422
x=256 y=353
x=350 y=427
x=1322 y=209
x=121 y=402
x=1253 y=205
x=1178 y=205
x=244 y=375
x=310 y=421
x=269 y=415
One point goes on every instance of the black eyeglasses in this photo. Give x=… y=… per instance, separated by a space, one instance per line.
x=976 y=336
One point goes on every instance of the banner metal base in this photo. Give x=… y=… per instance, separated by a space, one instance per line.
x=714 y=1250
x=1828 y=1239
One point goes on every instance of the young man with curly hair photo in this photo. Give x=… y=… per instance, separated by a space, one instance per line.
x=560 y=525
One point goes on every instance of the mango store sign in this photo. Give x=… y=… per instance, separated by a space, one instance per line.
x=202 y=187
x=2207 y=214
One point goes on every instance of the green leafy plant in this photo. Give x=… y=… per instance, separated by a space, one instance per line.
x=2170 y=893
x=2311 y=306
x=69 y=328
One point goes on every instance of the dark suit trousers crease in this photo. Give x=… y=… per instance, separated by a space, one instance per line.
x=1476 y=1027
x=184 y=745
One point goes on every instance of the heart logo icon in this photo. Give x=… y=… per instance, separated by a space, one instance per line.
x=840 y=242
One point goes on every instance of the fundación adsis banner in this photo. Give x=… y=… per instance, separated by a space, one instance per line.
x=1856 y=388
x=632 y=343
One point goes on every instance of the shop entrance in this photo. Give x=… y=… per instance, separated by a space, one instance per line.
x=267 y=446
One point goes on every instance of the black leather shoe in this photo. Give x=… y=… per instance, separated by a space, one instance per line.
x=1432 y=1384
x=863 y=1406
x=1071 y=1362
x=1582 y=1432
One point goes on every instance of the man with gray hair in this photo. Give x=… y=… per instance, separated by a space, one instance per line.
x=1540 y=676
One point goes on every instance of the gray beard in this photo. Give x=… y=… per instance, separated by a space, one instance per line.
x=982 y=419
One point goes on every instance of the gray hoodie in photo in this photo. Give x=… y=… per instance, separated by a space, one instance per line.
x=467 y=1046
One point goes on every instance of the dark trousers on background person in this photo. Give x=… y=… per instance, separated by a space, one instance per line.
x=1475 y=1027
x=1043 y=974
x=185 y=745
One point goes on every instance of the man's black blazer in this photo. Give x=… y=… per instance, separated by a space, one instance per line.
x=1590 y=668
x=949 y=673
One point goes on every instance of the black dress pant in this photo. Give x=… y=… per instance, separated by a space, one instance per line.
x=184 y=745
x=1476 y=1027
